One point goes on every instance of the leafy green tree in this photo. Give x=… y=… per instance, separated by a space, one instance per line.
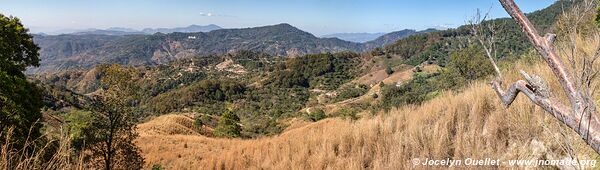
x=78 y=121
x=470 y=63
x=110 y=138
x=20 y=100
x=229 y=125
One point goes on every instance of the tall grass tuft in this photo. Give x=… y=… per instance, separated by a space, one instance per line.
x=39 y=153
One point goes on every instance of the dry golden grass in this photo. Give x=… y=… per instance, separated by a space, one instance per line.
x=471 y=124
x=38 y=153
x=168 y=125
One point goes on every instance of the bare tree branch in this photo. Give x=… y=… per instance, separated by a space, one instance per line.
x=582 y=116
x=487 y=42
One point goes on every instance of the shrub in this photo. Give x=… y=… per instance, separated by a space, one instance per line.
x=157 y=167
x=377 y=51
x=347 y=113
x=351 y=92
x=316 y=114
x=417 y=69
x=389 y=70
x=419 y=89
x=198 y=123
x=206 y=119
x=203 y=120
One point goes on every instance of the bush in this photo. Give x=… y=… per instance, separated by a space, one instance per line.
x=203 y=120
x=206 y=120
x=316 y=115
x=157 y=167
x=417 y=69
x=389 y=70
x=347 y=113
x=377 y=51
x=198 y=123
x=419 y=89
x=351 y=92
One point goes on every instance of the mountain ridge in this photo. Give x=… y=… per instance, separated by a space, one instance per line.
x=355 y=37
x=392 y=37
x=72 y=51
x=191 y=28
x=131 y=31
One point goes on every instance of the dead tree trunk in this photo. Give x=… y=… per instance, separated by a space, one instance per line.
x=581 y=116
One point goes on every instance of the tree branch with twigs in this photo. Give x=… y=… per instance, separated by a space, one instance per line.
x=479 y=31
x=581 y=115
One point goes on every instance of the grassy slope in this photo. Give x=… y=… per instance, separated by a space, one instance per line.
x=471 y=124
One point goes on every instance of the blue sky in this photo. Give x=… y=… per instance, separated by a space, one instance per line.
x=316 y=16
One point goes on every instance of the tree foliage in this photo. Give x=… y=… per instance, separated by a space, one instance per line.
x=327 y=71
x=436 y=47
x=470 y=63
x=20 y=100
x=228 y=126
x=110 y=136
x=206 y=92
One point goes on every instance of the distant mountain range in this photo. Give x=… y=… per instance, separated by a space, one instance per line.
x=373 y=40
x=191 y=28
x=107 y=32
x=61 y=52
x=130 y=31
x=392 y=37
x=84 y=50
x=355 y=37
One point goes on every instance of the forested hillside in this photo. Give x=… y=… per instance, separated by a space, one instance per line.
x=64 y=52
x=71 y=51
x=258 y=87
x=436 y=47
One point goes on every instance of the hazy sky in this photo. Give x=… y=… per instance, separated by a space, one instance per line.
x=316 y=16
